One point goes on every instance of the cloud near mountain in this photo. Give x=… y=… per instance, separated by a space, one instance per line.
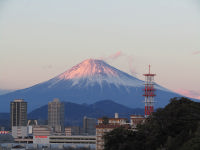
x=189 y=93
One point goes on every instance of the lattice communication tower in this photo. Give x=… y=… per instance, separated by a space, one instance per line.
x=149 y=93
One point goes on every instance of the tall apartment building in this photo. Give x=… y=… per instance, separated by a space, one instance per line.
x=56 y=115
x=89 y=126
x=18 y=112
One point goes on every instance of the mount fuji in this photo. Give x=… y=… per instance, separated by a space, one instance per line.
x=88 y=82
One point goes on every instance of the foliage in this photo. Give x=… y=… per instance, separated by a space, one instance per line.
x=105 y=120
x=175 y=127
x=121 y=137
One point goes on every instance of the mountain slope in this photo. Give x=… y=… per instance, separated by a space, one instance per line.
x=88 y=82
x=2 y=91
x=74 y=113
x=92 y=71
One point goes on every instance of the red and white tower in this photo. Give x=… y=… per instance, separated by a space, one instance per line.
x=149 y=93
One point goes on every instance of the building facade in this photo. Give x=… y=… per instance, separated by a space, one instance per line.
x=73 y=139
x=135 y=120
x=42 y=130
x=74 y=130
x=56 y=115
x=19 y=131
x=89 y=126
x=18 y=112
x=114 y=121
x=101 y=130
x=104 y=127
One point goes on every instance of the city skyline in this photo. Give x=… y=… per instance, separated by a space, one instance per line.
x=37 y=43
x=99 y=75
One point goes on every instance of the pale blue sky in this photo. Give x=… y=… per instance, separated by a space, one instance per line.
x=42 y=38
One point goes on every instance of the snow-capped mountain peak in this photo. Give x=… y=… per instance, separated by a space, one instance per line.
x=88 y=68
x=97 y=71
x=88 y=82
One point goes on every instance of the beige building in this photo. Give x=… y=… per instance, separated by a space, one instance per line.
x=19 y=131
x=56 y=115
x=42 y=130
x=114 y=121
x=135 y=120
x=102 y=129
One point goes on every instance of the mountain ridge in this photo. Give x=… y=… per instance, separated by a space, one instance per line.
x=90 y=81
x=74 y=113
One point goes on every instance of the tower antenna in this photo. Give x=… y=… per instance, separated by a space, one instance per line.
x=149 y=93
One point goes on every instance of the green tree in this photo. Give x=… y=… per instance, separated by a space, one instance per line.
x=121 y=139
x=105 y=120
x=175 y=127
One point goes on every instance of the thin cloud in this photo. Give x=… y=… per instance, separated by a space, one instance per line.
x=188 y=93
x=116 y=55
x=196 y=53
x=131 y=67
x=128 y=58
x=112 y=56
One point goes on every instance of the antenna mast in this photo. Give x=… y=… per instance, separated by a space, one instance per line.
x=149 y=93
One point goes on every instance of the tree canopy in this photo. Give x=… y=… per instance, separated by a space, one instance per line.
x=175 y=127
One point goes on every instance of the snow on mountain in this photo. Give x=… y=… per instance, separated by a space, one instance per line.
x=96 y=71
x=88 y=82
x=93 y=71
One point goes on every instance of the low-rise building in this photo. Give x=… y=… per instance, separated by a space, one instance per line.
x=101 y=130
x=71 y=131
x=42 y=130
x=41 y=139
x=41 y=134
x=19 y=131
x=73 y=139
x=135 y=120
x=113 y=121
x=104 y=127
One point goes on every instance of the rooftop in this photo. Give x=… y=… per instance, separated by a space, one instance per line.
x=18 y=100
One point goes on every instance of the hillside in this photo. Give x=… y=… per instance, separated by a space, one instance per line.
x=88 y=82
x=74 y=113
x=175 y=127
